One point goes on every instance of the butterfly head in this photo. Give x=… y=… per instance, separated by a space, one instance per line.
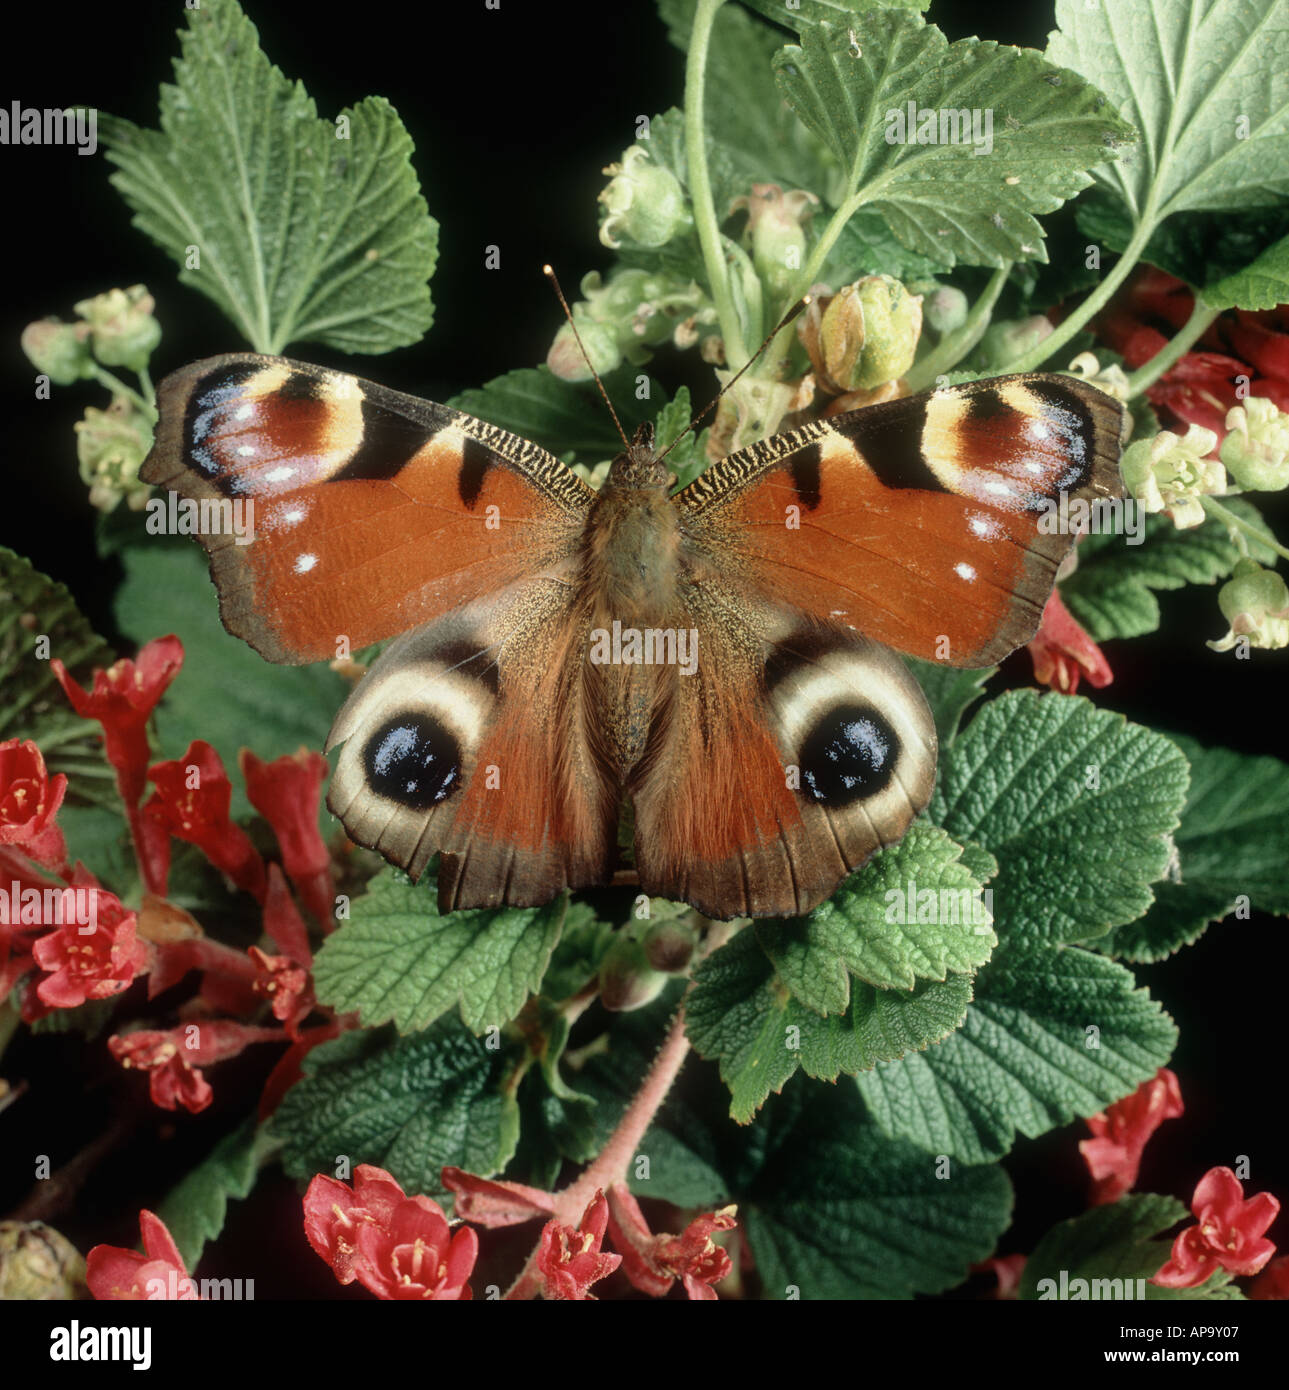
x=640 y=467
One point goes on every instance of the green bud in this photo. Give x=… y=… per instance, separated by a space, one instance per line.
x=645 y=203
x=565 y=357
x=775 y=232
x=1004 y=342
x=1170 y=473
x=669 y=945
x=945 y=309
x=1255 y=602
x=122 y=328
x=58 y=349
x=1256 y=448
x=864 y=336
x=39 y=1264
x=111 y=444
x=627 y=980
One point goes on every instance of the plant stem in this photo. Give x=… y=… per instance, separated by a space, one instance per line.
x=956 y=345
x=700 y=187
x=119 y=388
x=9 y=1020
x=1229 y=518
x=1093 y=304
x=1181 y=343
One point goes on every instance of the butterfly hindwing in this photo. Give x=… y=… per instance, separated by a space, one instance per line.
x=373 y=511
x=920 y=521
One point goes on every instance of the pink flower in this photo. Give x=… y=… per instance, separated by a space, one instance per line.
x=287 y=793
x=1062 y=651
x=654 y=1263
x=570 y=1261
x=93 y=953
x=114 y=1273
x=1120 y=1133
x=1229 y=1234
x=29 y=801
x=173 y=1057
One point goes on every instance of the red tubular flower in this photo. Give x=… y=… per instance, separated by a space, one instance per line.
x=122 y=700
x=29 y=801
x=93 y=952
x=173 y=1057
x=113 y=1273
x=191 y=803
x=288 y=792
x=282 y=921
x=396 y=1246
x=1062 y=651
x=1229 y=1234
x=1113 y=1154
x=287 y=985
x=654 y=1263
x=491 y=1203
x=1273 y=1282
x=570 y=1261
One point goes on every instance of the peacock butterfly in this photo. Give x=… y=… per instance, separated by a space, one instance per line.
x=718 y=659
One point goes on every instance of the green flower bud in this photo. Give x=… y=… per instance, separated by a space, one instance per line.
x=1170 y=473
x=645 y=203
x=627 y=980
x=864 y=336
x=945 y=309
x=58 y=349
x=1256 y=448
x=565 y=357
x=111 y=444
x=1004 y=342
x=37 y=1263
x=122 y=328
x=775 y=232
x=1255 y=602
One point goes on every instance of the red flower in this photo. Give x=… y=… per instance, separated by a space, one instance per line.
x=288 y=987
x=654 y=1263
x=570 y=1261
x=159 y=1273
x=93 y=952
x=191 y=803
x=1273 y=1282
x=1228 y=1236
x=29 y=801
x=287 y=793
x=282 y=921
x=1120 y=1133
x=23 y=915
x=173 y=1057
x=1062 y=651
x=396 y=1246
x=122 y=700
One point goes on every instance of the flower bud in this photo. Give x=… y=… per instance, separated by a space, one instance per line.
x=1112 y=379
x=1004 y=342
x=945 y=309
x=60 y=350
x=122 y=328
x=111 y=444
x=1171 y=473
x=775 y=232
x=1255 y=602
x=864 y=336
x=37 y=1263
x=669 y=944
x=1256 y=448
x=645 y=203
x=565 y=357
x=627 y=980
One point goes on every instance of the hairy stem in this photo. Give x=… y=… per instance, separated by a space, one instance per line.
x=953 y=347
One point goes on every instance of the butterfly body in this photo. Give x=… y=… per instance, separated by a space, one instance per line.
x=718 y=659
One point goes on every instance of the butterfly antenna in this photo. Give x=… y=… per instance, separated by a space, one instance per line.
x=802 y=303
x=549 y=273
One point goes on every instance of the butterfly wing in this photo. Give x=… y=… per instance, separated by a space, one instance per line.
x=373 y=511
x=923 y=522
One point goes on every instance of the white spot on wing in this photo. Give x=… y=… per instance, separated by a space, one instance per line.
x=304 y=563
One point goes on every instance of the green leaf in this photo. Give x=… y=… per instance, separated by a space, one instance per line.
x=562 y=416
x=308 y=230
x=1112 y=592
x=867 y=246
x=99 y=837
x=1261 y=285
x=1233 y=843
x=1048 y=128
x=195 y=1209
x=1111 y=1247
x=742 y=1014
x=835 y=1209
x=410 y=1106
x=398 y=960
x=1075 y=803
x=1185 y=74
x=226 y=693
x=576 y=958
x=806 y=12
x=1050 y=1035
x=688 y=459
x=949 y=692
x=39 y=621
x=864 y=929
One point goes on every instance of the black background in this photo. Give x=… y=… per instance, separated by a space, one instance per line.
x=513 y=114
